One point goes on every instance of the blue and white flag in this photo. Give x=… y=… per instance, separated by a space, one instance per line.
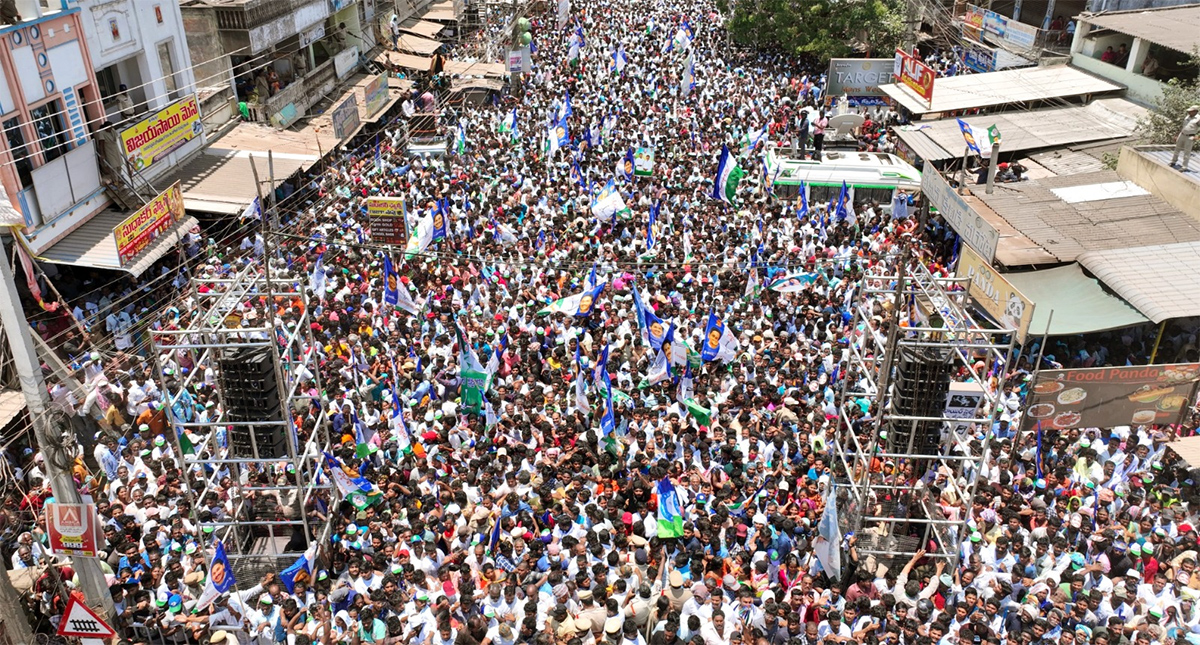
x=689 y=75
x=650 y=224
x=627 y=166
x=900 y=205
x=391 y=282
x=576 y=174
x=719 y=342
x=317 y=280
x=651 y=326
x=728 y=175
x=565 y=110
x=828 y=544
x=670 y=517
x=620 y=60
x=609 y=203
x=843 y=209
x=301 y=566
x=803 y=213
x=220 y=578
x=509 y=124
x=580 y=305
x=559 y=135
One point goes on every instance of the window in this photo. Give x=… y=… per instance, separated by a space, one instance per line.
x=107 y=80
x=20 y=154
x=50 y=129
x=168 y=69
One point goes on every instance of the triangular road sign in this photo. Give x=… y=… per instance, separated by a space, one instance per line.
x=81 y=622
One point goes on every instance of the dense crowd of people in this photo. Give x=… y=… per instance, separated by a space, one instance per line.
x=634 y=474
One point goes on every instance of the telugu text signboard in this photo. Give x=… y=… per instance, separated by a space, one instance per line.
x=345 y=118
x=386 y=218
x=858 y=76
x=969 y=225
x=1104 y=397
x=154 y=137
x=73 y=529
x=995 y=295
x=375 y=95
x=914 y=74
x=140 y=229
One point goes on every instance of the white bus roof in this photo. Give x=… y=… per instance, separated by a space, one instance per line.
x=863 y=169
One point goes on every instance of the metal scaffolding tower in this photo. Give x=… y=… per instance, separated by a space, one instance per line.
x=271 y=458
x=913 y=330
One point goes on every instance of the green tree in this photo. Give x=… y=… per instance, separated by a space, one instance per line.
x=1162 y=124
x=821 y=28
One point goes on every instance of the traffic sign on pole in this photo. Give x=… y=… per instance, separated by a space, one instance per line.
x=81 y=622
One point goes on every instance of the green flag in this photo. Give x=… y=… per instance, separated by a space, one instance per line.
x=702 y=415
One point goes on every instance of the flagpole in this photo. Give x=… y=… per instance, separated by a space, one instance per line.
x=1037 y=367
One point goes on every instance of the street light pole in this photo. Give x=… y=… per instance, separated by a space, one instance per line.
x=55 y=441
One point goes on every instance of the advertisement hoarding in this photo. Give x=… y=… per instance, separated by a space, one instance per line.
x=375 y=95
x=140 y=229
x=1104 y=397
x=914 y=74
x=73 y=529
x=386 y=218
x=995 y=295
x=979 y=58
x=969 y=225
x=858 y=76
x=157 y=135
x=345 y=117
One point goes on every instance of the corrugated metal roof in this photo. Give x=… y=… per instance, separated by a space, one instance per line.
x=93 y=244
x=1068 y=230
x=417 y=44
x=1001 y=88
x=1188 y=449
x=1173 y=27
x=1162 y=281
x=221 y=180
x=407 y=61
x=1102 y=119
x=422 y=27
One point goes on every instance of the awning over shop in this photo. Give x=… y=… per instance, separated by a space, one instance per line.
x=422 y=28
x=479 y=68
x=407 y=61
x=1162 y=281
x=93 y=245
x=443 y=14
x=1188 y=449
x=11 y=404
x=221 y=181
x=1079 y=303
x=417 y=44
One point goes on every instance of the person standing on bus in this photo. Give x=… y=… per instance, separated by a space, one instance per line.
x=800 y=134
x=819 y=126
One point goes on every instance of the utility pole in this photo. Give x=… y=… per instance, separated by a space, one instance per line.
x=55 y=440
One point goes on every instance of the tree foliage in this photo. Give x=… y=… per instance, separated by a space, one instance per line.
x=823 y=29
x=1162 y=124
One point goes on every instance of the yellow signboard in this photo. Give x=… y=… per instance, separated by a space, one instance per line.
x=138 y=230
x=995 y=295
x=155 y=136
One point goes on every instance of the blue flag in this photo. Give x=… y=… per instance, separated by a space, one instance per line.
x=220 y=573
x=650 y=225
x=439 y=221
x=288 y=575
x=391 y=282
x=842 y=212
x=652 y=327
x=803 y=214
x=714 y=336
x=627 y=166
x=576 y=174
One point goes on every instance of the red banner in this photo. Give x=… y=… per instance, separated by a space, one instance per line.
x=915 y=74
x=73 y=529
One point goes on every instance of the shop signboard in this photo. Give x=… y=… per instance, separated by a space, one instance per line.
x=1104 y=397
x=345 y=118
x=969 y=225
x=154 y=137
x=375 y=95
x=995 y=294
x=914 y=74
x=140 y=229
x=858 y=76
x=386 y=217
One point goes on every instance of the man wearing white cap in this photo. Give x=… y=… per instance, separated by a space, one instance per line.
x=1187 y=138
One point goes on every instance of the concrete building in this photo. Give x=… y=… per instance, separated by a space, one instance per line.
x=1137 y=48
x=285 y=55
x=48 y=105
x=141 y=45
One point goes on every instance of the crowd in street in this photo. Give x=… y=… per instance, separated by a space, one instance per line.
x=652 y=459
